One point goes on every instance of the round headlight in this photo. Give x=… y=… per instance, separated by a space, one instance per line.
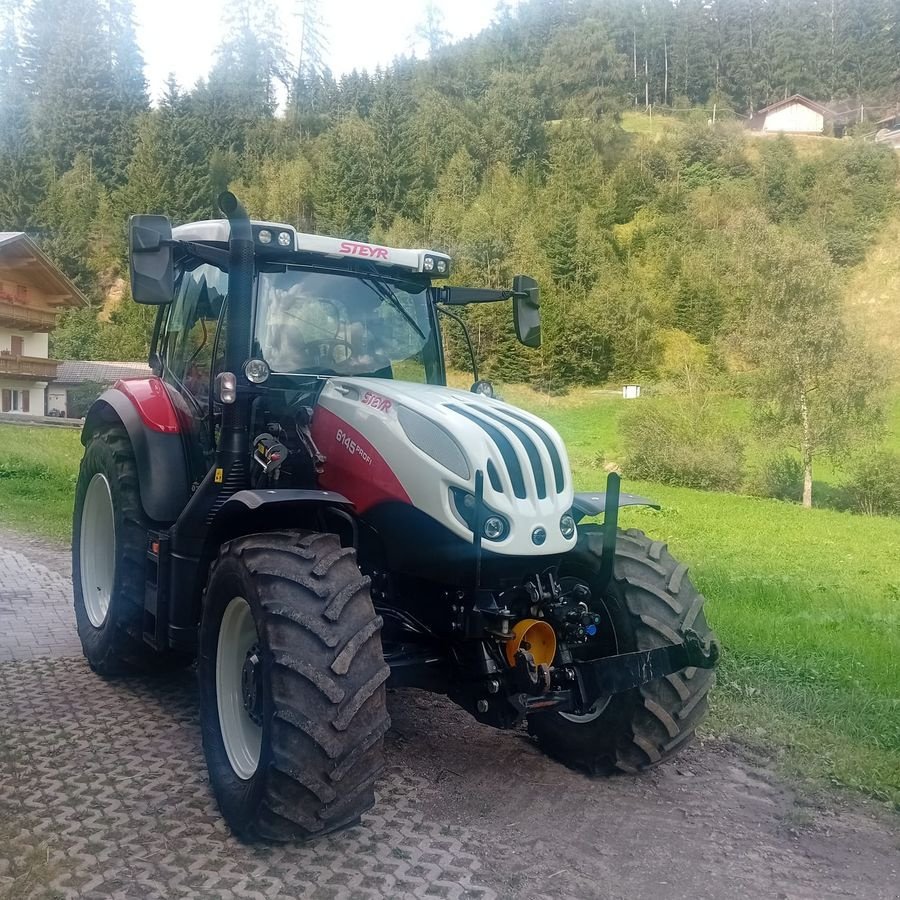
x=441 y=266
x=429 y=263
x=539 y=535
x=284 y=239
x=567 y=527
x=257 y=371
x=265 y=236
x=494 y=528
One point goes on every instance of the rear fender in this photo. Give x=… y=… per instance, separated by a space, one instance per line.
x=143 y=408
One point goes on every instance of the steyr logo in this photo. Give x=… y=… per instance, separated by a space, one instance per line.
x=355 y=249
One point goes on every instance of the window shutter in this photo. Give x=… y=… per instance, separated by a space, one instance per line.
x=26 y=401
x=7 y=400
x=17 y=345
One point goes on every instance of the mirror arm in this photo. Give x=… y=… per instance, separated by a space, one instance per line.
x=460 y=296
x=465 y=331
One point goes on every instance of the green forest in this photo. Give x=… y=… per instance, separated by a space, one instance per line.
x=598 y=145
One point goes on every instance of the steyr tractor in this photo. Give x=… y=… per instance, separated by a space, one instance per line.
x=298 y=502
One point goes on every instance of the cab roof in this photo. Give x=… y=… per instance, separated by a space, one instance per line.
x=277 y=234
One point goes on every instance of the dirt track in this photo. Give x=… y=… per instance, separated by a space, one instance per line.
x=103 y=793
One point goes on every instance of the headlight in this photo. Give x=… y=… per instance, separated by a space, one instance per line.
x=494 y=527
x=256 y=370
x=567 y=527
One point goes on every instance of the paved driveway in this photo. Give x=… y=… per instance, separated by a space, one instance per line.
x=103 y=793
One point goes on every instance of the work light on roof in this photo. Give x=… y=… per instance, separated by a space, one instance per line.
x=265 y=236
x=284 y=239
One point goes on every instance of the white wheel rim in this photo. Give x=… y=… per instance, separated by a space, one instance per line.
x=593 y=713
x=97 y=550
x=240 y=734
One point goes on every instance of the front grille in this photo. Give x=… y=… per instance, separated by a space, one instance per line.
x=507 y=451
x=559 y=474
x=526 y=434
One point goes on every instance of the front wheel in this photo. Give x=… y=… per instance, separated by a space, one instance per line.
x=109 y=551
x=292 y=699
x=649 y=603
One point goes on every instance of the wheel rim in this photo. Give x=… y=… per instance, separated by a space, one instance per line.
x=238 y=688
x=97 y=550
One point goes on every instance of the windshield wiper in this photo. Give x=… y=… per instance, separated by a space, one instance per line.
x=386 y=292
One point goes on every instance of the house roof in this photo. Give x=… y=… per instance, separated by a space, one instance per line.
x=79 y=371
x=19 y=250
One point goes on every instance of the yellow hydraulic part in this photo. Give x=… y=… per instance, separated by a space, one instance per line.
x=534 y=635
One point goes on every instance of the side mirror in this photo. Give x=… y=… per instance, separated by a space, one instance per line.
x=150 y=259
x=527 y=310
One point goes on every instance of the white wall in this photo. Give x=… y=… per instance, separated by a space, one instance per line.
x=36 y=342
x=795 y=118
x=35 y=393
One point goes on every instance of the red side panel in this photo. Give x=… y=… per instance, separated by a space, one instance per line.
x=353 y=466
x=152 y=401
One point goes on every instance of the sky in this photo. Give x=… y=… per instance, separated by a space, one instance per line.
x=181 y=36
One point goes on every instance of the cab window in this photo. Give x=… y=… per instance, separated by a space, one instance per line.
x=194 y=315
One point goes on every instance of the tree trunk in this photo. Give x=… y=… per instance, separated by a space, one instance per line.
x=806 y=454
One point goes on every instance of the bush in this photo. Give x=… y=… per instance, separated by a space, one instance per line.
x=682 y=444
x=780 y=476
x=873 y=487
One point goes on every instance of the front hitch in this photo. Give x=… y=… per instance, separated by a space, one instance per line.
x=580 y=684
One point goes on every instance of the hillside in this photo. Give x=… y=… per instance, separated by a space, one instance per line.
x=873 y=292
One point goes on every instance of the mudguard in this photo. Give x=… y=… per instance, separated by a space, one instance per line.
x=144 y=409
x=593 y=503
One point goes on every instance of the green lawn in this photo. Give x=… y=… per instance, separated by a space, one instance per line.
x=806 y=602
x=38 y=466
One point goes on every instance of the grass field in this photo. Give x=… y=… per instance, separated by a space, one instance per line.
x=806 y=602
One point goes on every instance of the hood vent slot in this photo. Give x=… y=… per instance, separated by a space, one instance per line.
x=534 y=457
x=507 y=451
x=559 y=474
x=494 y=477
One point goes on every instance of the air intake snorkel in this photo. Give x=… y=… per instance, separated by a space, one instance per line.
x=233 y=442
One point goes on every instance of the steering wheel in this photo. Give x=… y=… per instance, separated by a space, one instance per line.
x=324 y=349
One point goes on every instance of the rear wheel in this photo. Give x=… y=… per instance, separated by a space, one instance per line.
x=292 y=673
x=649 y=603
x=109 y=545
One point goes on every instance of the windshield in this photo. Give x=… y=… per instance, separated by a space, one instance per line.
x=328 y=323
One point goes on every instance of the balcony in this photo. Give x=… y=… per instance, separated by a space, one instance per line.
x=34 y=368
x=27 y=318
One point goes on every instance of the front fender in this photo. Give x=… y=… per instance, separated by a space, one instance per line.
x=156 y=442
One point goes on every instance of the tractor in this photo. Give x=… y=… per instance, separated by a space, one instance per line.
x=297 y=502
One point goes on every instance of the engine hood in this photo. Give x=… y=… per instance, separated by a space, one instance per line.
x=423 y=444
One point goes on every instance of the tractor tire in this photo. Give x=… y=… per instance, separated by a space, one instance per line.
x=292 y=698
x=649 y=603
x=109 y=552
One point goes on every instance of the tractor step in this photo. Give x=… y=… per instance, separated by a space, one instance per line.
x=156 y=591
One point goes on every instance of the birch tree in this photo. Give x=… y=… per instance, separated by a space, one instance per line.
x=815 y=386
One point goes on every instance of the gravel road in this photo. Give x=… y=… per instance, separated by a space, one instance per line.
x=103 y=793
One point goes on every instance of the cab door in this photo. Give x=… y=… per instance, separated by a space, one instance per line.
x=191 y=344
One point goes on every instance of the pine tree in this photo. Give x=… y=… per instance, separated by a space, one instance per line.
x=73 y=85
x=396 y=181
x=21 y=181
x=170 y=171
x=130 y=85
